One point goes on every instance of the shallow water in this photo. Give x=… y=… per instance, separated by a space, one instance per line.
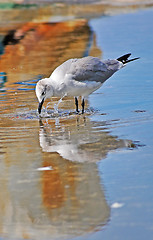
x=73 y=176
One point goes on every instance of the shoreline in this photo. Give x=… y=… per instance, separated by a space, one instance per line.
x=63 y=12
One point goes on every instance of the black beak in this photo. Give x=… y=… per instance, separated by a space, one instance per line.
x=40 y=106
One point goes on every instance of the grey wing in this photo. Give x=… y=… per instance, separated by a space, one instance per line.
x=59 y=73
x=92 y=69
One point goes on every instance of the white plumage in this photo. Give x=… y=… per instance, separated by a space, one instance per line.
x=78 y=77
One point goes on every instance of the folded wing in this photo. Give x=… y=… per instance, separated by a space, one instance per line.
x=92 y=69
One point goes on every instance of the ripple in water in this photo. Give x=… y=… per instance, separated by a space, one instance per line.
x=49 y=114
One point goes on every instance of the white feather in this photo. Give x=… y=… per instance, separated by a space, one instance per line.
x=80 y=77
x=76 y=77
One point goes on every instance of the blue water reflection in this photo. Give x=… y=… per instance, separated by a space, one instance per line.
x=72 y=197
x=127 y=98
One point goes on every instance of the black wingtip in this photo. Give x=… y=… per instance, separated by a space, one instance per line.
x=124 y=58
x=133 y=59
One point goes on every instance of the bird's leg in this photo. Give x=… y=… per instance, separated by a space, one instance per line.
x=83 y=103
x=76 y=104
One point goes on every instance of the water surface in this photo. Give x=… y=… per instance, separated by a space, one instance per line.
x=73 y=176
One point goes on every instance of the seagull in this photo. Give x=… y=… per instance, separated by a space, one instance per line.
x=78 y=77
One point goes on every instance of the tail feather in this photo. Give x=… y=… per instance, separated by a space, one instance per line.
x=124 y=58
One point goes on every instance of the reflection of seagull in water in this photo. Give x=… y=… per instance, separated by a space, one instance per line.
x=80 y=143
x=78 y=77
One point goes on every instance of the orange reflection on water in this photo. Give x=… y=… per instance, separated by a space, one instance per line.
x=41 y=47
x=68 y=199
x=53 y=185
x=50 y=184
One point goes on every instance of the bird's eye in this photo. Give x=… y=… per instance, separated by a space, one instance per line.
x=44 y=91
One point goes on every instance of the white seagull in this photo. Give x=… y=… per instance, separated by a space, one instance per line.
x=78 y=77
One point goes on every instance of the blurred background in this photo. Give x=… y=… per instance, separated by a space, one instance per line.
x=67 y=175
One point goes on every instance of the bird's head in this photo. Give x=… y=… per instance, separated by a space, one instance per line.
x=43 y=90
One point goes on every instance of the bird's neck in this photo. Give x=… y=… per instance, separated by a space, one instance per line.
x=57 y=87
